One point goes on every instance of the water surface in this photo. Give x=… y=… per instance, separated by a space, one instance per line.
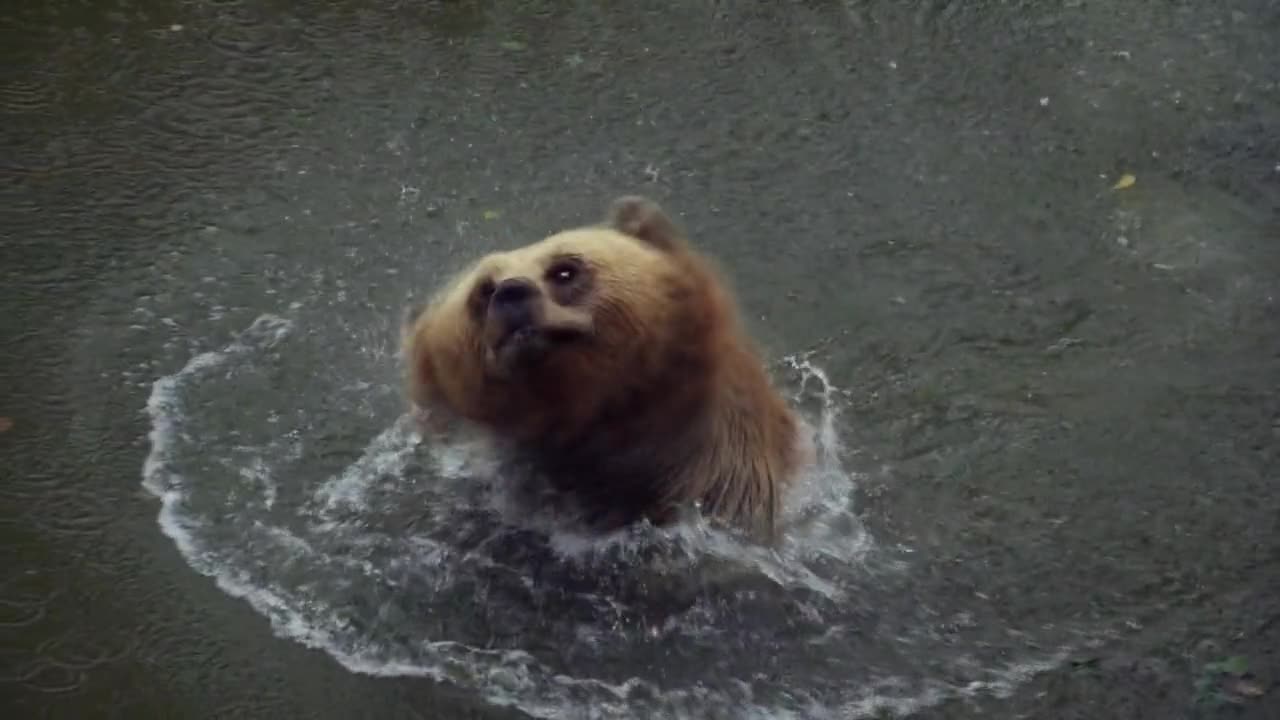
x=1051 y=406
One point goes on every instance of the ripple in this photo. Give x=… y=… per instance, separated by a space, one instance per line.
x=19 y=96
x=403 y=557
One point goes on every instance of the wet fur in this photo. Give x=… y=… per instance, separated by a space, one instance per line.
x=665 y=404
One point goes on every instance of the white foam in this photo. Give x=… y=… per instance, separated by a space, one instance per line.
x=259 y=472
x=386 y=454
x=317 y=611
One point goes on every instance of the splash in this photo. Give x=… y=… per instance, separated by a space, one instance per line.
x=394 y=556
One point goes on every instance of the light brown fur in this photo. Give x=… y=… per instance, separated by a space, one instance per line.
x=650 y=396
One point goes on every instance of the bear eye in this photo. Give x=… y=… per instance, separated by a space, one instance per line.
x=562 y=273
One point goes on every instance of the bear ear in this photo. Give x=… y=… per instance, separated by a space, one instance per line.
x=644 y=219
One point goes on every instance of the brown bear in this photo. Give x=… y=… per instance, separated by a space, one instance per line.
x=611 y=361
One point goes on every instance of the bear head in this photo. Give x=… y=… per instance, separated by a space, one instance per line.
x=545 y=340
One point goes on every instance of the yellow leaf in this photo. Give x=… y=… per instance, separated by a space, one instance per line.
x=1126 y=181
x=492 y=214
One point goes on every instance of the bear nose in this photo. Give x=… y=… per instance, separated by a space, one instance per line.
x=512 y=299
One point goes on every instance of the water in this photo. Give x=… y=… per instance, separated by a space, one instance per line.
x=1047 y=408
x=401 y=565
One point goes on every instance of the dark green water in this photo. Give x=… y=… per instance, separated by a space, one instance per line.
x=1058 y=404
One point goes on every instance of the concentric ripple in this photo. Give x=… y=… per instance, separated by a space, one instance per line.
x=400 y=556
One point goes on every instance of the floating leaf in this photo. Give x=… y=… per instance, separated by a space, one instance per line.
x=492 y=214
x=513 y=45
x=1126 y=181
x=6 y=424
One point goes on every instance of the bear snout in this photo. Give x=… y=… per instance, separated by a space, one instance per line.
x=514 y=303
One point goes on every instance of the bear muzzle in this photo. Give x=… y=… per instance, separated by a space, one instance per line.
x=514 y=303
x=522 y=325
